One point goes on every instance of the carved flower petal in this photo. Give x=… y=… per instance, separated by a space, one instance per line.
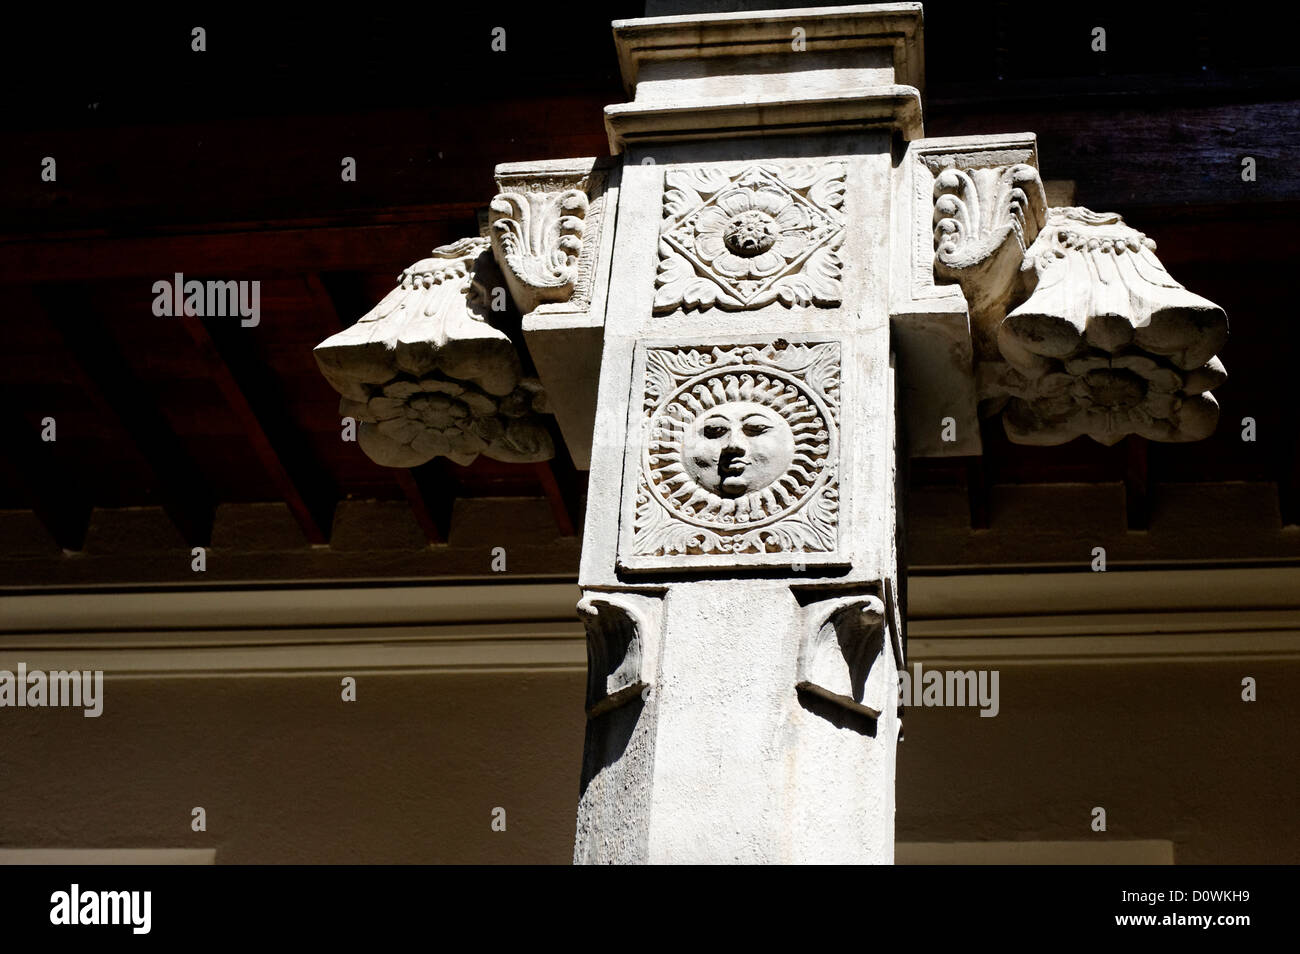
x=711 y=219
x=1205 y=378
x=1197 y=418
x=1134 y=362
x=1055 y=383
x=1085 y=363
x=1107 y=427
x=791 y=244
x=709 y=245
x=1160 y=404
x=793 y=216
x=771 y=201
x=1163 y=379
x=736 y=201
x=766 y=264
x=732 y=265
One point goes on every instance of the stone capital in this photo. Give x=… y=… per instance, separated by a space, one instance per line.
x=826 y=69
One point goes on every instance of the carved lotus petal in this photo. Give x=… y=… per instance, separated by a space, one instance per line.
x=709 y=244
x=1085 y=363
x=792 y=217
x=736 y=201
x=772 y=201
x=1206 y=377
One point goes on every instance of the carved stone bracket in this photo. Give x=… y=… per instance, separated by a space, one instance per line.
x=546 y=226
x=552 y=230
x=843 y=658
x=425 y=374
x=538 y=237
x=622 y=639
x=1078 y=328
x=985 y=219
x=768 y=233
x=1108 y=343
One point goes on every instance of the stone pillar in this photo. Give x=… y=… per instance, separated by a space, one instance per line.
x=740 y=562
x=771 y=240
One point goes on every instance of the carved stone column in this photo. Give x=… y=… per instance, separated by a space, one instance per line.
x=739 y=563
x=772 y=240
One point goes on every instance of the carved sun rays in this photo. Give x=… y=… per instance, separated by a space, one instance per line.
x=681 y=492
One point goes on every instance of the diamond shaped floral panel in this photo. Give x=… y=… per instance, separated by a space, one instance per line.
x=766 y=234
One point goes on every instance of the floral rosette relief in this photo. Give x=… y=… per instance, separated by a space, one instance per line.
x=766 y=234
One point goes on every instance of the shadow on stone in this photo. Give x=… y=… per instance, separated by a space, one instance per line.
x=608 y=736
x=836 y=713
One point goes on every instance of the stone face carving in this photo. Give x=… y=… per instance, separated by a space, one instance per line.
x=426 y=375
x=739 y=456
x=1108 y=344
x=768 y=233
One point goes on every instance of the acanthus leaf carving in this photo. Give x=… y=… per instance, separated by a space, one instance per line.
x=843 y=657
x=425 y=374
x=538 y=237
x=545 y=225
x=985 y=219
x=768 y=233
x=622 y=637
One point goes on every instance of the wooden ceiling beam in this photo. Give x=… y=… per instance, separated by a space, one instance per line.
x=427 y=489
x=108 y=380
x=289 y=249
x=311 y=510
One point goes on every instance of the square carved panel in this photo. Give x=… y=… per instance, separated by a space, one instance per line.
x=768 y=233
x=734 y=456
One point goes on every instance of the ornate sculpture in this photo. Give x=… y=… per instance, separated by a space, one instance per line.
x=621 y=644
x=426 y=375
x=538 y=236
x=767 y=234
x=1079 y=329
x=740 y=452
x=546 y=226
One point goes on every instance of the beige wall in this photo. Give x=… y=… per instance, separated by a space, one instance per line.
x=454 y=719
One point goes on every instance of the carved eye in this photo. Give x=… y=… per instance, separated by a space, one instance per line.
x=756 y=429
x=715 y=431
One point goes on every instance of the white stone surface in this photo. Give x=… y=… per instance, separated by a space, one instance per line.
x=425 y=373
x=750 y=739
x=552 y=226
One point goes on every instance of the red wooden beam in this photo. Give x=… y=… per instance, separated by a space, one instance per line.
x=312 y=527
x=326 y=301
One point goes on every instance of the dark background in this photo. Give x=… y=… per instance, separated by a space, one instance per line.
x=225 y=164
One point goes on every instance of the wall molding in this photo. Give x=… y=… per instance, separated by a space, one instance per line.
x=1015 y=619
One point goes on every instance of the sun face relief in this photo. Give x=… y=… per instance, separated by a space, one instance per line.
x=738 y=448
x=740 y=457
